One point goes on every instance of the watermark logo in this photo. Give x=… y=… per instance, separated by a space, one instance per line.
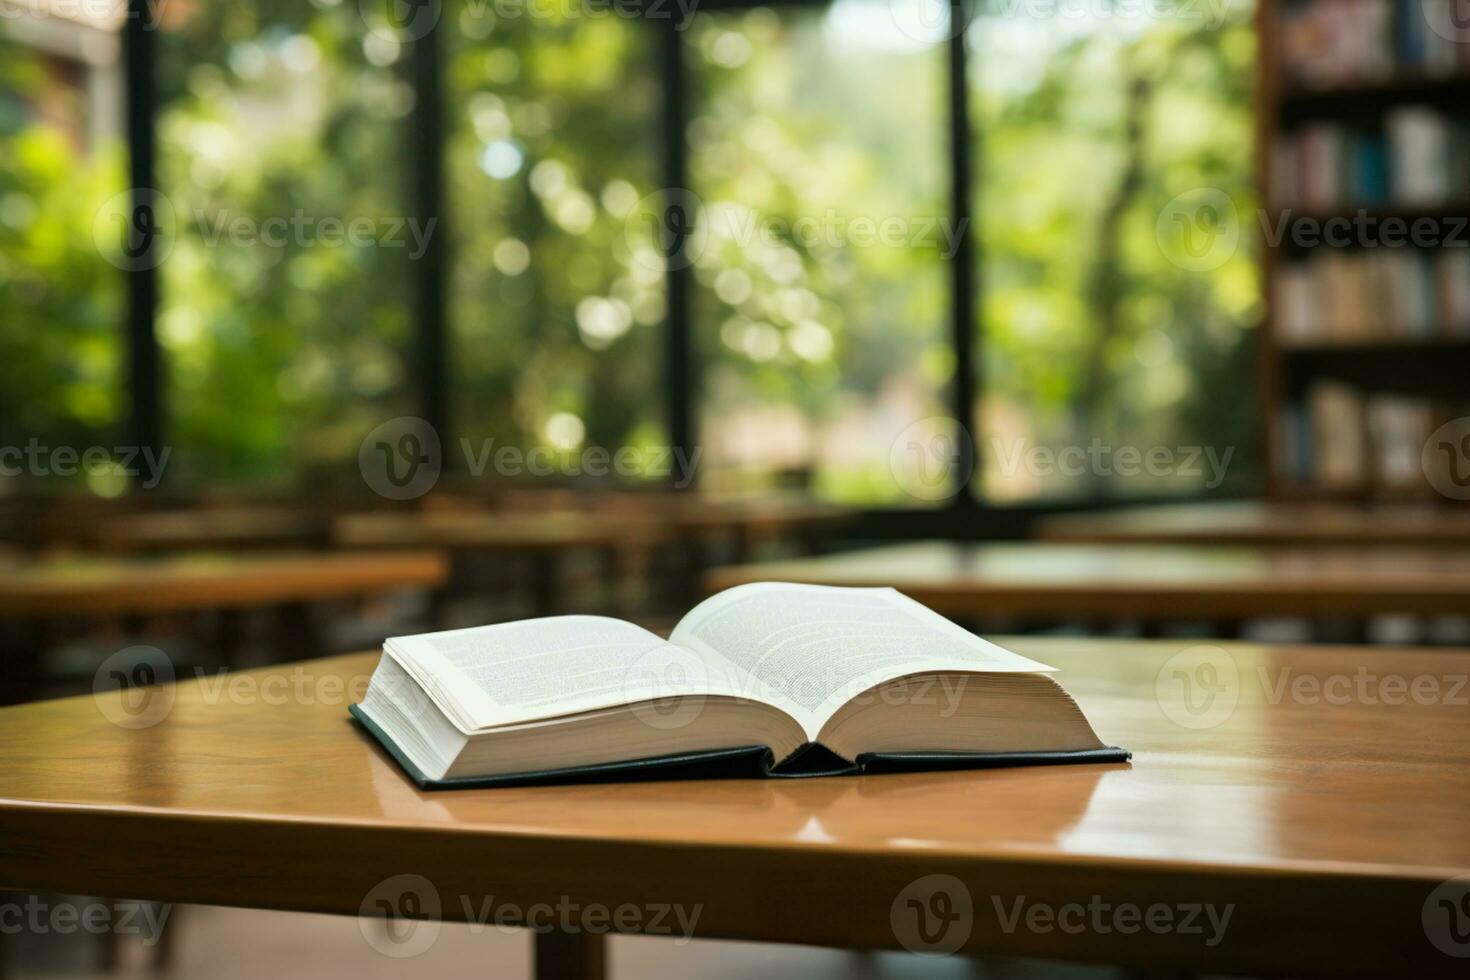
x=663 y=687
x=1363 y=229
x=38 y=459
x=594 y=461
x=1205 y=464
x=932 y=915
x=1198 y=687
x=1101 y=917
x=673 y=229
x=400 y=916
x=1199 y=230
x=136 y=229
x=1445 y=459
x=930 y=21
x=932 y=458
x=1362 y=686
x=674 y=220
x=134 y=687
x=398 y=21
x=39 y=917
x=1450 y=19
x=139 y=228
x=1446 y=917
x=302 y=230
x=402 y=458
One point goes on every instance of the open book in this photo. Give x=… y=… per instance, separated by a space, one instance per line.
x=764 y=679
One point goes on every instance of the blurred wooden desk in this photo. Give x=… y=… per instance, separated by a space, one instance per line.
x=1150 y=582
x=466 y=530
x=752 y=516
x=212 y=528
x=683 y=514
x=544 y=536
x=1258 y=522
x=38 y=593
x=92 y=586
x=1323 y=827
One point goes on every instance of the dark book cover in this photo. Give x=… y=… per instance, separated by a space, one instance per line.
x=750 y=762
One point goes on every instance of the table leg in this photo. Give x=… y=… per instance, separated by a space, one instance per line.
x=569 y=956
x=229 y=639
x=544 y=583
x=297 y=636
x=24 y=642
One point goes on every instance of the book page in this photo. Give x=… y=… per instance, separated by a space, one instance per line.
x=542 y=668
x=809 y=649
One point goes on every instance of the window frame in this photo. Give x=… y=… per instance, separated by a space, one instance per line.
x=962 y=514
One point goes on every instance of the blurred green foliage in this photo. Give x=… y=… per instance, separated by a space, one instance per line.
x=553 y=140
x=284 y=345
x=61 y=303
x=817 y=348
x=819 y=153
x=1092 y=329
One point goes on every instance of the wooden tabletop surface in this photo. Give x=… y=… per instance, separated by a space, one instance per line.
x=639 y=515
x=1323 y=823
x=93 y=585
x=765 y=514
x=1165 y=581
x=1259 y=522
x=206 y=528
x=482 y=530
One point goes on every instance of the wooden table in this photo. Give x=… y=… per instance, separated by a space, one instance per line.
x=36 y=593
x=1150 y=582
x=482 y=530
x=1261 y=523
x=544 y=536
x=212 y=528
x=93 y=586
x=753 y=517
x=1324 y=828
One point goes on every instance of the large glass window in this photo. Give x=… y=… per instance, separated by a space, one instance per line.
x=556 y=294
x=61 y=300
x=1112 y=184
x=1117 y=222
x=820 y=164
x=286 y=298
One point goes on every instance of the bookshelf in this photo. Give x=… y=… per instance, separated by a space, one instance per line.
x=1363 y=164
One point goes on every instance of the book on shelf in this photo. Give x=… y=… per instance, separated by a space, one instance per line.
x=1329 y=44
x=1398 y=426
x=768 y=679
x=1336 y=296
x=1418 y=157
x=1339 y=439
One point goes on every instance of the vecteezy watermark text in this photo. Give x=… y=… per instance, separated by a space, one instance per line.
x=38 y=459
x=1101 y=459
x=1200 y=687
x=403 y=458
x=595 y=461
x=138 y=229
x=683 y=227
x=1364 y=229
x=303 y=230
x=399 y=917
x=1101 y=917
x=38 y=916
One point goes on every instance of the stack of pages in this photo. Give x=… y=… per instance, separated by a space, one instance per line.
x=769 y=679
